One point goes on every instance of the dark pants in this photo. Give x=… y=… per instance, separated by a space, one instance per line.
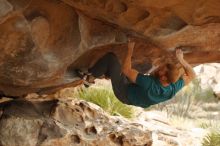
x=109 y=66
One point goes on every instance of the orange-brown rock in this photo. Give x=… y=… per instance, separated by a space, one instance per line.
x=42 y=41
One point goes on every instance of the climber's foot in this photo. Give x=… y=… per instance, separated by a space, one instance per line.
x=87 y=77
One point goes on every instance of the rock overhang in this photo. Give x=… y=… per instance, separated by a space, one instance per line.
x=43 y=41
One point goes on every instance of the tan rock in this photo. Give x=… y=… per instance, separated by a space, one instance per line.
x=68 y=122
x=209 y=75
x=47 y=122
x=5 y=8
x=41 y=42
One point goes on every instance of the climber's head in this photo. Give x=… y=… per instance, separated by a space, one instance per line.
x=169 y=73
x=175 y=72
x=161 y=73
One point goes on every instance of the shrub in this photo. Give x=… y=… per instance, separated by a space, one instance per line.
x=210 y=124
x=212 y=139
x=105 y=98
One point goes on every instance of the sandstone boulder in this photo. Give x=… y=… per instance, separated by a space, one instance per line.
x=43 y=41
x=209 y=76
x=58 y=121
x=65 y=122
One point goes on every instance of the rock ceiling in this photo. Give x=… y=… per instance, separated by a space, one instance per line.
x=42 y=41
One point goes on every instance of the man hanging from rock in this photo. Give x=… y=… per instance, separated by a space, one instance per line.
x=134 y=88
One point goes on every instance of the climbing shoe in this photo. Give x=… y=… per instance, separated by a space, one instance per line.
x=87 y=77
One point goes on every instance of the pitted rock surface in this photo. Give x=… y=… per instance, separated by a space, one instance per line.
x=66 y=122
x=59 y=121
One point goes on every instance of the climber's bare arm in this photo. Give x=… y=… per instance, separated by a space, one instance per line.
x=126 y=68
x=189 y=72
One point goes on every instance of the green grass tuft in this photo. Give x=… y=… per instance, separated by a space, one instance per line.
x=105 y=98
x=212 y=139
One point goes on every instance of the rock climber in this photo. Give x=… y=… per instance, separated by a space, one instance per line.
x=134 y=88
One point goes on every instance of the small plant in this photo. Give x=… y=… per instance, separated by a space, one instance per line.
x=210 y=124
x=105 y=98
x=212 y=139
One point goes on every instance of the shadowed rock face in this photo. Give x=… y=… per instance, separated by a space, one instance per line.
x=41 y=41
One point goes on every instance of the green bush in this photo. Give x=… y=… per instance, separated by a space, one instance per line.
x=105 y=98
x=212 y=139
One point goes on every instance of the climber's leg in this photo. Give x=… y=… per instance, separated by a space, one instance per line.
x=109 y=66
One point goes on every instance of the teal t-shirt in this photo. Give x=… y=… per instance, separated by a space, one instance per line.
x=148 y=91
